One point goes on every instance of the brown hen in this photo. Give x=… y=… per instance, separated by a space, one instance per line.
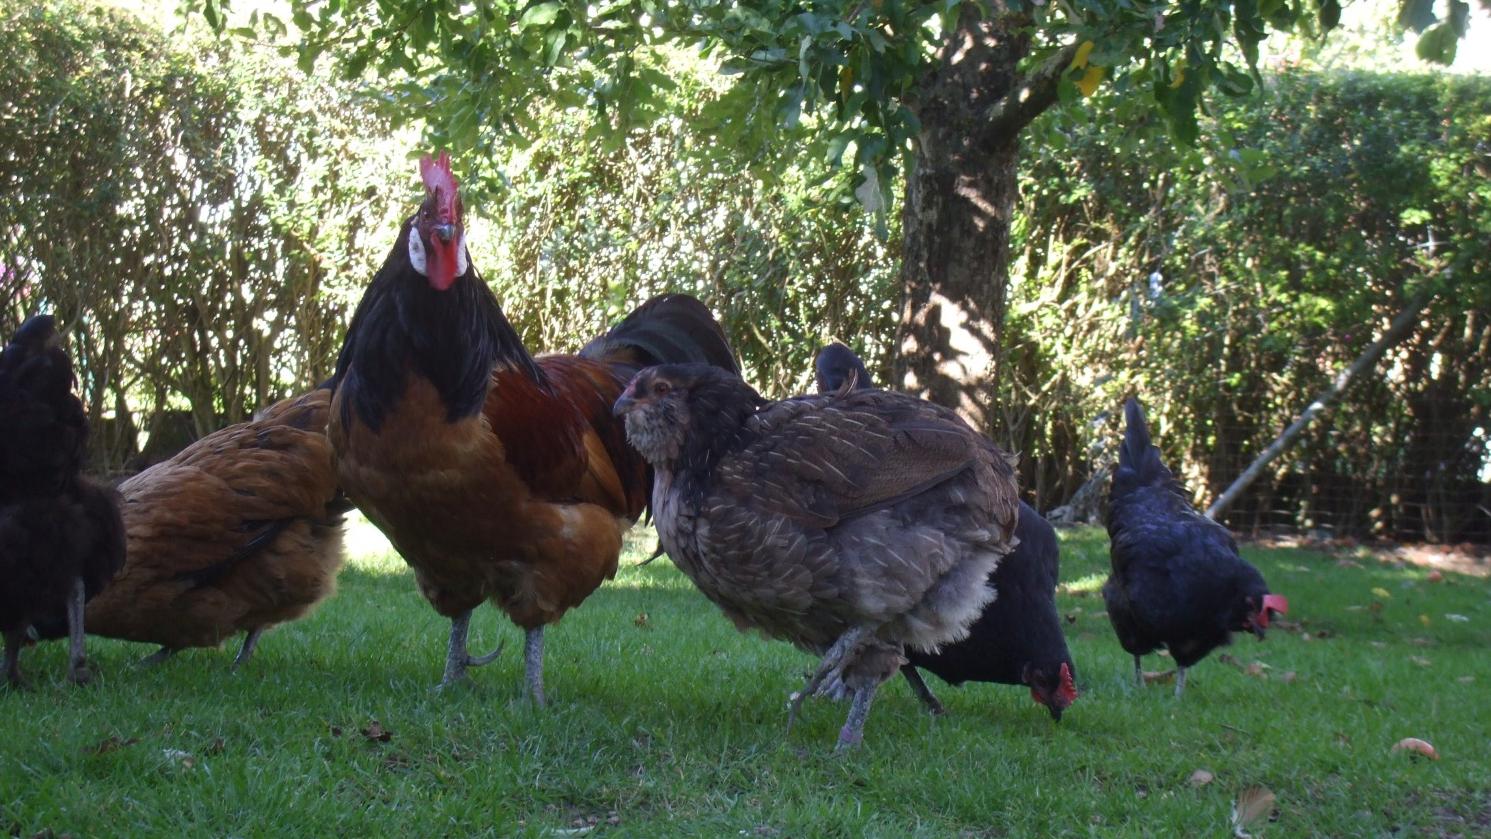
x=240 y=531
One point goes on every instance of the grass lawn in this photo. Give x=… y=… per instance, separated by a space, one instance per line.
x=664 y=721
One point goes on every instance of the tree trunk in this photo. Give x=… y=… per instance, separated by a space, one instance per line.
x=959 y=197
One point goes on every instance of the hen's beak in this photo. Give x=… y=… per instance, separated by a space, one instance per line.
x=625 y=404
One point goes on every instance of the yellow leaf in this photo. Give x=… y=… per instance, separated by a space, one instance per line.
x=1180 y=73
x=1424 y=619
x=1091 y=79
x=1383 y=593
x=1080 y=59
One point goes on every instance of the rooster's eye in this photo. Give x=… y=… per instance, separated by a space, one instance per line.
x=662 y=388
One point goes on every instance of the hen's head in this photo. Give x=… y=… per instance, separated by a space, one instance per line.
x=1257 y=608
x=838 y=368
x=1052 y=687
x=670 y=406
x=437 y=233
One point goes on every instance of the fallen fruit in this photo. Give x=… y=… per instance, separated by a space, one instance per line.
x=1417 y=746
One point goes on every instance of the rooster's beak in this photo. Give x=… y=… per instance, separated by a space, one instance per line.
x=625 y=404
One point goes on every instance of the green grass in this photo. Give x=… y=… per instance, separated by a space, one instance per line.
x=673 y=724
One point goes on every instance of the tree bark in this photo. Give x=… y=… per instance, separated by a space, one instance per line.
x=959 y=197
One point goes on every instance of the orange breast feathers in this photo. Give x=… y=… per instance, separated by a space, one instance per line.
x=564 y=443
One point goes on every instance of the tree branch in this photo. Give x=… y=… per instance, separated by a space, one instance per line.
x=1026 y=99
x=1400 y=328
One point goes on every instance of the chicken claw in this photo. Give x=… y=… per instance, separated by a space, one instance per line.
x=833 y=662
x=457 y=660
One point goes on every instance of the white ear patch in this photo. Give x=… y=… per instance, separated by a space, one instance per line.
x=462 y=260
x=417 y=253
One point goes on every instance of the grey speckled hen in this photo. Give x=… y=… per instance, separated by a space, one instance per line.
x=854 y=525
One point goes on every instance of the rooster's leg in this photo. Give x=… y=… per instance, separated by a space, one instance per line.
x=14 y=640
x=919 y=687
x=157 y=657
x=77 y=660
x=1138 y=673
x=833 y=660
x=853 y=732
x=1180 y=680
x=456 y=657
x=533 y=663
x=247 y=650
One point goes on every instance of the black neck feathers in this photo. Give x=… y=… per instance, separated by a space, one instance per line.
x=403 y=327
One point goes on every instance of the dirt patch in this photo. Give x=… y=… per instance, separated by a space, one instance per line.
x=1471 y=560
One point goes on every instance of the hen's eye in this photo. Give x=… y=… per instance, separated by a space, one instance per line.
x=662 y=388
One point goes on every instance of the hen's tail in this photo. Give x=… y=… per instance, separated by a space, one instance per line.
x=668 y=329
x=1138 y=460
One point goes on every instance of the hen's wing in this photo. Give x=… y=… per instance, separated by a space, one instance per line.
x=862 y=503
x=825 y=459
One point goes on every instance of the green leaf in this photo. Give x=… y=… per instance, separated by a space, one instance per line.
x=539 y=14
x=1438 y=44
x=1459 y=17
x=1417 y=15
x=1330 y=14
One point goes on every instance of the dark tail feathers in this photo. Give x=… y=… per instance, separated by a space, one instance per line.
x=1138 y=457
x=668 y=329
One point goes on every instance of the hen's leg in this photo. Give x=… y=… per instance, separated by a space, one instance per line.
x=157 y=657
x=14 y=640
x=533 y=664
x=1180 y=680
x=77 y=660
x=853 y=732
x=919 y=687
x=246 y=652
x=833 y=660
x=456 y=657
x=1138 y=673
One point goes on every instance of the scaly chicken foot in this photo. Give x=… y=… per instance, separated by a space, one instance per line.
x=533 y=664
x=457 y=660
x=853 y=732
x=1138 y=673
x=1180 y=680
x=833 y=660
x=924 y=693
x=14 y=640
x=246 y=652
x=77 y=659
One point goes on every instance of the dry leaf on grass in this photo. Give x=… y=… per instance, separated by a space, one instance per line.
x=1162 y=676
x=1436 y=576
x=375 y=732
x=640 y=621
x=1253 y=804
x=1420 y=660
x=1288 y=677
x=1415 y=746
x=109 y=744
x=1201 y=778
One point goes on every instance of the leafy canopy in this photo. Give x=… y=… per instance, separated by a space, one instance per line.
x=474 y=71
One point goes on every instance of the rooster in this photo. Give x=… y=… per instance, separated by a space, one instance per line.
x=854 y=525
x=1177 y=580
x=240 y=531
x=497 y=475
x=61 y=538
x=1018 y=638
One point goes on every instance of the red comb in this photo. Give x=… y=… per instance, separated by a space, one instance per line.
x=1068 y=687
x=437 y=176
x=1277 y=602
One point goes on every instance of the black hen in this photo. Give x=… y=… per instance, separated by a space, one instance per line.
x=1018 y=638
x=61 y=537
x=853 y=525
x=1177 y=580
